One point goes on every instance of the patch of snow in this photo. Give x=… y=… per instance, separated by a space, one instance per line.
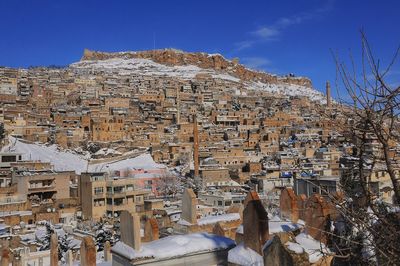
x=69 y=161
x=62 y=161
x=239 y=230
x=175 y=246
x=143 y=161
x=314 y=248
x=289 y=90
x=294 y=247
x=147 y=67
x=241 y=255
x=276 y=225
x=218 y=218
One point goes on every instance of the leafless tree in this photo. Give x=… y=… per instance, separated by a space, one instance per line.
x=370 y=119
x=169 y=185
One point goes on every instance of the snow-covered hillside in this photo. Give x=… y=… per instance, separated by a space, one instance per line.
x=69 y=161
x=146 y=67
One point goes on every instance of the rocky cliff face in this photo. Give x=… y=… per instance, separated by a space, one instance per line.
x=172 y=57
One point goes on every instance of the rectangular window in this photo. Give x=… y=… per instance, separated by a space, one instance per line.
x=8 y=158
x=98 y=190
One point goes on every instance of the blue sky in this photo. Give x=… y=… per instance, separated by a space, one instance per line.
x=276 y=36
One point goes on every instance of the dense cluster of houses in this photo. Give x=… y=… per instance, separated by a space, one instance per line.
x=213 y=135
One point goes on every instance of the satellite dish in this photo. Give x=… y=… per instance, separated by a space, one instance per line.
x=48 y=210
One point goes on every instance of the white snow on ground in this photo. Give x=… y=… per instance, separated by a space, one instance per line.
x=241 y=255
x=213 y=219
x=276 y=225
x=106 y=151
x=294 y=247
x=218 y=218
x=175 y=246
x=312 y=247
x=288 y=89
x=68 y=161
x=147 y=67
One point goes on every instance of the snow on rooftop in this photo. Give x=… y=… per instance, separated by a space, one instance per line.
x=62 y=161
x=12 y=213
x=143 y=161
x=241 y=255
x=69 y=161
x=174 y=246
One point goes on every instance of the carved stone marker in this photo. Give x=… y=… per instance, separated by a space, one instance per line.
x=88 y=252
x=5 y=257
x=107 y=251
x=255 y=224
x=189 y=206
x=53 y=250
x=151 y=231
x=130 y=229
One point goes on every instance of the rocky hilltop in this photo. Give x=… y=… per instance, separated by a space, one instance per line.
x=173 y=57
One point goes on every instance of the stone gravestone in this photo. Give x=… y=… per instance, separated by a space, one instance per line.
x=107 y=251
x=151 y=232
x=255 y=225
x=288 y=205
x=5 y=257
x=53 y=250
x=189 y=206
x=130 y=229
x=316 y=217
x=88 y=252
x=70 y=259
x=301 y=203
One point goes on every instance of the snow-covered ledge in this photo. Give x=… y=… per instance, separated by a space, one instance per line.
x=191 y=249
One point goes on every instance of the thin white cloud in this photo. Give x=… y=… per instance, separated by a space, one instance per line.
x=243 y=45
x=256 y=62
x=272 y=32
x=266 y=33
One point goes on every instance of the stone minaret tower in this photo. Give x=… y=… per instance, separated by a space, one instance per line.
x=178 y=106
x=328 y=94
x=196 y=147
